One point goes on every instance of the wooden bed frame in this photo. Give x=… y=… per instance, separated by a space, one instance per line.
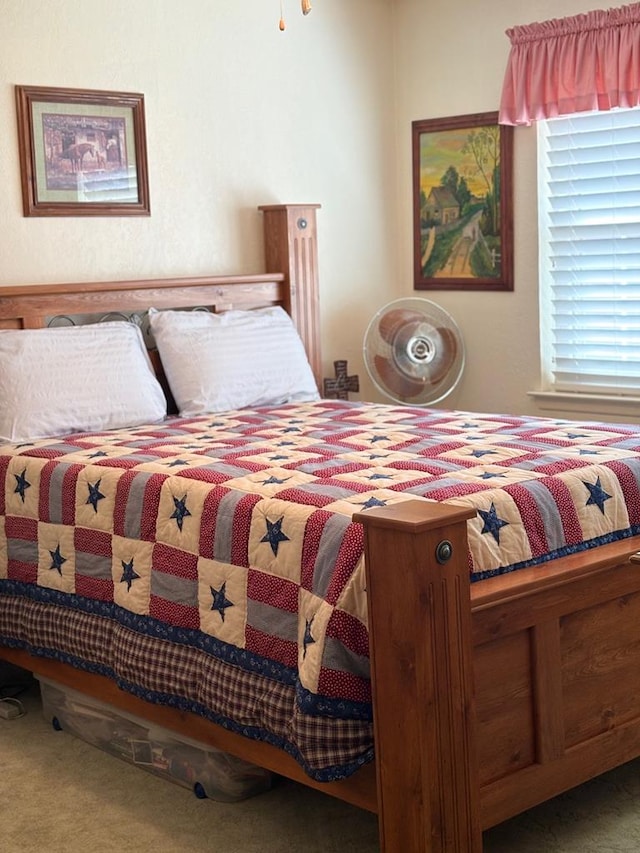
x=489 y=697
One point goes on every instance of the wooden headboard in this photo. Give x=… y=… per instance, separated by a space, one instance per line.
x=31 y=307
x=290 y=237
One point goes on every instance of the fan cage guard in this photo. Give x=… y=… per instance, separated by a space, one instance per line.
x=414 y=352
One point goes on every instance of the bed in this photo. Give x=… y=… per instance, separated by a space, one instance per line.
x=431 y=672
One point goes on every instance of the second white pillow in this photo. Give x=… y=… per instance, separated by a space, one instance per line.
x=235 y=360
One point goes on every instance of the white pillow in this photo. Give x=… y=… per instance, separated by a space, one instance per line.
x=219 y=362
x=76 y=378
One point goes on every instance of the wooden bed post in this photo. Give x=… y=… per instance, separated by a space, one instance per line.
x=291 y=247
x=422 y=680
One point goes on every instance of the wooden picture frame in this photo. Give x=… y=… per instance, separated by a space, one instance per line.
x=82 y=152
x=462 y=203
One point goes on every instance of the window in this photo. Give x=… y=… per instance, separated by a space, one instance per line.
x=589 y=227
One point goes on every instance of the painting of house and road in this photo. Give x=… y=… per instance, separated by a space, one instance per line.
x=463 y=230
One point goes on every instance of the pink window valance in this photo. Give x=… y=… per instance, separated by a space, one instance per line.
x=569 y=65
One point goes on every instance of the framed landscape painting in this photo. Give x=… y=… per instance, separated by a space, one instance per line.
x=462 y=203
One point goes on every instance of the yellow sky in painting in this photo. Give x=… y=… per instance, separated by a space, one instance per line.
x=442 y=149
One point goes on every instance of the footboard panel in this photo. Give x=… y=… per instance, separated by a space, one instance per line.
x=557 y=674
x=504 y=706
x=601 y=667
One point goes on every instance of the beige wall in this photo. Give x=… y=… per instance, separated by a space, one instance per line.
x=239 y=114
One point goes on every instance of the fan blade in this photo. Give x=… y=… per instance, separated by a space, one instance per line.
x=397 y=383
x=392 y=322
x=445 y=356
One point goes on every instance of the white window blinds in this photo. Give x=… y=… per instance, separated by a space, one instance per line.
x=589 y=227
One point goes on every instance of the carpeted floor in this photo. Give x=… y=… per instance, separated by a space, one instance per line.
x=61 y=795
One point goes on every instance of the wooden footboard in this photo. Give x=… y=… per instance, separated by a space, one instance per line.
x=557 y=672
x=551 y=698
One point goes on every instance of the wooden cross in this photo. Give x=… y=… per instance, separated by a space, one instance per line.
x=342 y=384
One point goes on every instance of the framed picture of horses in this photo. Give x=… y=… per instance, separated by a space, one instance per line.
x=82 y=152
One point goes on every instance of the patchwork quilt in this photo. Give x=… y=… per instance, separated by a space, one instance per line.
x=212 y=563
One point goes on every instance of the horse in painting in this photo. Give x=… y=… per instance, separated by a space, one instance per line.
x=76 y=154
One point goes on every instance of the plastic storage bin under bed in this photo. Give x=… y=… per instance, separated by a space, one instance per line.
x=205 y=770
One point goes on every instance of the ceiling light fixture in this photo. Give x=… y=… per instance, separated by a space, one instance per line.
x=306 y=8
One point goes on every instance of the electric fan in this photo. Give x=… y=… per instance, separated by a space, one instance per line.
x=414 y=352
